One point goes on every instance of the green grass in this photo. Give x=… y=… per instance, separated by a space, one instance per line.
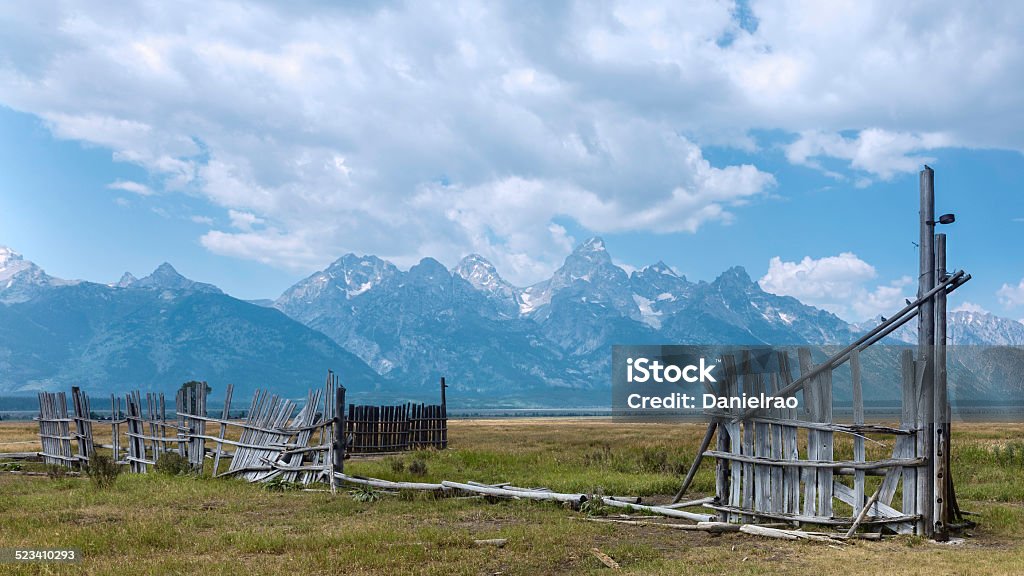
x=181 y=524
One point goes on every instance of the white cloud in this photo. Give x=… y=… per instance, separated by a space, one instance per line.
x=269 y=246
x=355 y=128
x=130 y=186
x=206 y=220
x=970 y=307
x=840 y=284
x=244 y=220
x=1011 y=296
x=878 y=152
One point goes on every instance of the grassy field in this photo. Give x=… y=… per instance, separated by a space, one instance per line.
x=159 y=524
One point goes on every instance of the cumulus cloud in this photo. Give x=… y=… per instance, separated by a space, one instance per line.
x=877 y=152
x=844 y=285
x=342 y=128
x=970 y=307
x=1011 y=296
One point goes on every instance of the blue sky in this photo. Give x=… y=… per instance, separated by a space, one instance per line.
x=249 y=145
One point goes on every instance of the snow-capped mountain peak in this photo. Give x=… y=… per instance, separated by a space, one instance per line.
x=479 y=272
x=483 y=276
x=346 y=278
x=973 y=328
x=21 y=279
x=165 y=277
x=127 y=279
x=661 y=268
x=12 y=263
x=354 y=275
x=595 y=244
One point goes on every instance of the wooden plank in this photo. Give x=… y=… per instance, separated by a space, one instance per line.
x=831 y=521
x=735 y=440
x=777 y=452
x=791 y=445
x=826 y=451
x=704 y=444
x=878 y=509
x=862 y=515
x=858 y=442
x=762 y=448
x=809 y=475
x=903 y=446
x=339 y=430
x=850 y=429
x=444 y=415
x=163 y=421
x=748 y=438
x=909 y=420
x=407 y=427
x=821 y=464
x=115 y=432
x=223 y=428
x=357 y=429
x=722 y=466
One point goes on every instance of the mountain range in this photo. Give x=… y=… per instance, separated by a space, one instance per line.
x=392 y=334
x=153 y=333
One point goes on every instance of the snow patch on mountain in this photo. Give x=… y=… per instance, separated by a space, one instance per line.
x=21 y=280
x=483 y=276
x=649 y=316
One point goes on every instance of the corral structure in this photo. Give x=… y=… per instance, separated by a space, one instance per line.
x=771 y=464
x=277 y=439
x=777 y=464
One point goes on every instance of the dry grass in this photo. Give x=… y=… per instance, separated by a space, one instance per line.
x=157 y=524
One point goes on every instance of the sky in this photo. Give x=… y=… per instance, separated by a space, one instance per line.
x=252 y=143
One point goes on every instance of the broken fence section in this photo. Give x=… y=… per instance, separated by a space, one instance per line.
x=276 y=440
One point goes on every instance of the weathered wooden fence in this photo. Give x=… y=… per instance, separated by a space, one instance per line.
x=776 y=464
x=276 y=438
x=379 y=429
x=779 y=465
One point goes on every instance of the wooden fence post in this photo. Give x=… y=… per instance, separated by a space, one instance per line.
x=940 y=442
x=339 y=429
x=925 y=354
x=444 y=416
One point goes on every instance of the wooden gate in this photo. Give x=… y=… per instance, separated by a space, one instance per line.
x=773 y=463
x=779 y=464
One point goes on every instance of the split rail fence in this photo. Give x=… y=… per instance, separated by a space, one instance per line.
x=276 y=439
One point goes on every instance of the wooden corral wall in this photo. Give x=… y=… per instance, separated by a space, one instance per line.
x=381 y=429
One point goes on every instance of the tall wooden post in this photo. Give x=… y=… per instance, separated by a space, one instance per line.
x=940 y=440
x=444 y=415
x=339 y=429
x=925 y=354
